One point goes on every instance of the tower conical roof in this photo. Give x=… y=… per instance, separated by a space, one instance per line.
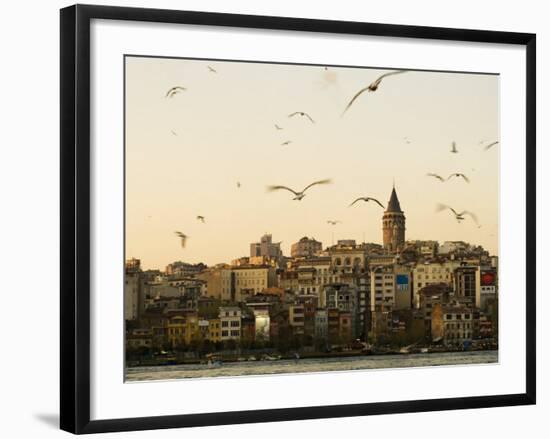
x=393 y=204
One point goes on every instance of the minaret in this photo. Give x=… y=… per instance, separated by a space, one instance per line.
x=393 y=225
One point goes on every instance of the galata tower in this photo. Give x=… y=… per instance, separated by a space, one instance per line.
x=393 y=225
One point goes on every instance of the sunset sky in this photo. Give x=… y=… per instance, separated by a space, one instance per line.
x=185 y=155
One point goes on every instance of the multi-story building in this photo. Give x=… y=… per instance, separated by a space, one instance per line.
x=132 y=289
x=313 y=274
x=214 y=330
x=266 y=247
x=175 y=330
x=467 y=283
x=457 y=323
x=213 y=280
x=425 y=249
x=183 y=269
x=346 y=325
x=333 y=325
x=162 y=288
x=347 y=258
x=306 y=248
x=345 y=299
x=321 y=323
x=296 y=318
x=288 y=280
x=432 y=298
x=390 y=288
x=432 y=272
x=230 y=323
x=250 y=280
x=486 y=292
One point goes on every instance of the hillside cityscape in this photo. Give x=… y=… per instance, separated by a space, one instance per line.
x=347 y=299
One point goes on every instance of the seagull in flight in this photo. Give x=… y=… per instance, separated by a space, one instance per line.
x=211 y=69
x=303 y=114
x=490 y=145
x=453 y=147
x=459 y=174
x=173 y=91
x=373 y=86
x=200 y=218
x=333 y=222
x=183 y=238
x=366 y=200
x=459 y=216
x=288 y=142
x=299 y=195
x=439 y=177
x=277 y=127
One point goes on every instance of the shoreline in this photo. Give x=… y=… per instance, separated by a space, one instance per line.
x=174 y=361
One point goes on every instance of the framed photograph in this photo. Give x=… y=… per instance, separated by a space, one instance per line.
x=273 y=218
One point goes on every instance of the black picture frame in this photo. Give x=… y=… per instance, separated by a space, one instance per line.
x=75 y=217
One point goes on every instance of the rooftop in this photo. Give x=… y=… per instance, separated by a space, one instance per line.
x=393 y=204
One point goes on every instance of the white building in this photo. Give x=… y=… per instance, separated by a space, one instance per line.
x=390 y=288
x=230 y=322
x=261 y=323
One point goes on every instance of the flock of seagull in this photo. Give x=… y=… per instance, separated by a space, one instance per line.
x=299 y=195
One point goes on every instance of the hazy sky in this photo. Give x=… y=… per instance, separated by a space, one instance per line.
x=224 y=133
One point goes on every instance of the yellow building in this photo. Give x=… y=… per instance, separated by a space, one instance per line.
x=175 y=330
x=182 y=330
x=432 y=273
x=214 y=330
x=250 y=280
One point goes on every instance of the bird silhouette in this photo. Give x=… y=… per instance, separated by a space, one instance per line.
x=439 y=177
x=277 y=127
x=459 y=174
x=200 y=218
x=173 y=91
x=490 y=145
x=288 y=142
x=183 y=238
x=211 y=69
x=333 y=222
x=453 y=148
x=303 y=114
x=373 y=86
x=366 y=200
x=301 y=194
x=459 y=216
